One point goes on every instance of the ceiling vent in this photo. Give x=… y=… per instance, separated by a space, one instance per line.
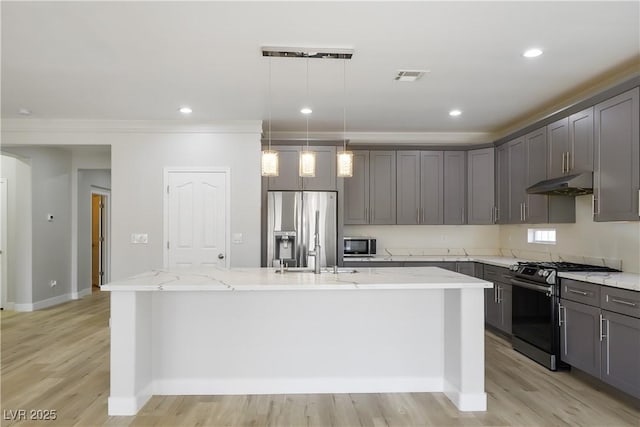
x=307 y=52
x=410 y=75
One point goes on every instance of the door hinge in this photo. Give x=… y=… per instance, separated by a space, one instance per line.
x=101 y=273
x=101 y=205
x=101 y=239
x=168 y=189
x=168 y=246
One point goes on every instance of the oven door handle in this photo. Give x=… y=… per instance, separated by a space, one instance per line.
x=537 y=288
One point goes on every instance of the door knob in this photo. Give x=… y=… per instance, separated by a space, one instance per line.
x=220 y=256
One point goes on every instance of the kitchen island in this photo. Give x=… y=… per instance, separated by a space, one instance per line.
x=259 y=331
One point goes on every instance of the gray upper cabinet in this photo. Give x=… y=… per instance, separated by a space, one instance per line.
x=502 y=184
x=571 y=144
x=356 y=191
x=536 y=208
x=289 y=178
x=420 y=187
x=370 y=195
x=455 y=187
x=617 y=158
x=581 y=142
x=408 y=191
x=517 y=180
x=558 y=138
x=325 y=179
x=382 y=187
x=481 y=186
x=431 y=187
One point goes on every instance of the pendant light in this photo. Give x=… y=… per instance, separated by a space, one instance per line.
x=307 y=157
x=344 y=157
x=269 y=160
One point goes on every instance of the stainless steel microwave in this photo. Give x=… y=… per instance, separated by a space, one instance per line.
x=359 y=246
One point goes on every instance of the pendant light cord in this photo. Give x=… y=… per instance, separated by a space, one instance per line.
x=307 y=116
x=344 y=104
x=269 y=94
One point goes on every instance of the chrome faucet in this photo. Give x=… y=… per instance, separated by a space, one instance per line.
x=315 y=253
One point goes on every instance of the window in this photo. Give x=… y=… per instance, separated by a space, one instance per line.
x=544 y=236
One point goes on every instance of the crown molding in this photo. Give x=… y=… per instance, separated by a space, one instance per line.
x=130 y=126
x=389 y=138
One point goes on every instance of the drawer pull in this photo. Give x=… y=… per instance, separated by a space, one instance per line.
x=573 y=291
x=619 y=301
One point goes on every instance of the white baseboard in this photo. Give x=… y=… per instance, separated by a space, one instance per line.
x=81 y=294
x=9 y=306
x=213 y=386
x=126 y=405
x=466 y=401
x=49 y=302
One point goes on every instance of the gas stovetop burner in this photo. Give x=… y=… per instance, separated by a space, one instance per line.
x=567 y=266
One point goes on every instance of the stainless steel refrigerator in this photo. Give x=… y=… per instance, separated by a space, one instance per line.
x=291 y=225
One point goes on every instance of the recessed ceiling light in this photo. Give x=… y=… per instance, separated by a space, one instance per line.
x=24 y=112
x=306 y=110
x=185 y=110
x=532 y=53
x=455 y=113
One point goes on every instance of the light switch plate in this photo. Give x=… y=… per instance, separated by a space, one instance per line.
x=139 y=238
x=236 y=237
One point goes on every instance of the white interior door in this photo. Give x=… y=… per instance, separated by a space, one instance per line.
x=3 y=242
x=197 y=223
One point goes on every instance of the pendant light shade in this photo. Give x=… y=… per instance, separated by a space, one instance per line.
x=307 y=164
x=270 y=163
x=345 y=164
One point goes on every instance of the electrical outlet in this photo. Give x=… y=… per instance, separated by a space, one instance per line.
x=53 y=283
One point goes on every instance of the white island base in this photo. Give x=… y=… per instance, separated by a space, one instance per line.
x=254 y=331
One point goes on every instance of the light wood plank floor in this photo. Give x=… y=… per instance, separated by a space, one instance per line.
x=58 y=359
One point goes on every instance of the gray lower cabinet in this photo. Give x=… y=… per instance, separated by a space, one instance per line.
x=617 y=158
x=481 y=207
x=289 y=177
x=455 y=187
x=580 y=336
x=498 y=300
x=600 y=333
x=446 y=265
x=621 y=352
x=370 y=195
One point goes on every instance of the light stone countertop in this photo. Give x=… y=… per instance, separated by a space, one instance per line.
x=267 y=279
x=621 y=280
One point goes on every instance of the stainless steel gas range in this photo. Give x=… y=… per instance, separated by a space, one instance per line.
x=535 y=318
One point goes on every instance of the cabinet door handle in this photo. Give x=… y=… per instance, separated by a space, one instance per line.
x=563 y=156
x=497 y=214
x=495 y=293
x=602 y=335
x=524 y=212
x=366 y=215
x=569 y=161
x=560 y=319
x=593 y=204
x=573 y=291
x=422 y=210
x=417 y=215
x=619 y=301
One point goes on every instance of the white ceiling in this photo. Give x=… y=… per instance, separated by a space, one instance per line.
x=143 y=60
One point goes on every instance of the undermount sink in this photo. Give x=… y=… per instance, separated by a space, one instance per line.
x=325 y=270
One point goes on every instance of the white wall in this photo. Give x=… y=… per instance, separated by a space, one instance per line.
x=609 y=240
x=87 y=181
x=51 y=240
x=137 y=172
x=429 y=236
x=18 y=251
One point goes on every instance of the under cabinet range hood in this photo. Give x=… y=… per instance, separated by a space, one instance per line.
x=569 y=185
